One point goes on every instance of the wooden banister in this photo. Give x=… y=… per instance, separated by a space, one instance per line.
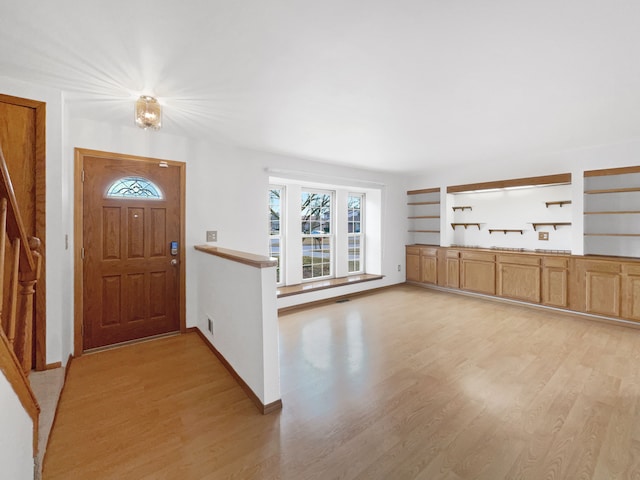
x=13 y=292
x=15 y=225
x=3 y=244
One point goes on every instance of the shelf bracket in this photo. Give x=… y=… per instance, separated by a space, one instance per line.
x=560 y=203
x=465 y=225
x=491 y=230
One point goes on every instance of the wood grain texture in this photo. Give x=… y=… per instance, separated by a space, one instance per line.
x=23 y=139
x=131 y=287
x=478 y=272
x=413 y=267
x=424 y=190
x=561 y=178
x=611 y=171
x=409 y=383
x=289 y=290
x=80 y=156
x=429 y=269
x=251 y=259
x=262 y=408
x=519 y=277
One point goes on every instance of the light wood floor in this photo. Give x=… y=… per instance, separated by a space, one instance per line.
x=408 y=383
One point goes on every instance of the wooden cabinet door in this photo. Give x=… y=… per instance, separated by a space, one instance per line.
x=478 y=272
x=429 y=264
x=600 y=286
x=597 y=287
x=631 y=291
x=453 y=272
x=519 y=277
x=429 y=269
x=603 y=293
x=554 y=282
x=413 y=267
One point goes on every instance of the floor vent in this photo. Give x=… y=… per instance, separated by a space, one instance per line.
x=342 y=301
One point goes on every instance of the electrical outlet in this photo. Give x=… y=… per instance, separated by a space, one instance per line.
x=210 y=325
x=399 y=268
x=543 y=235
x=212 y=235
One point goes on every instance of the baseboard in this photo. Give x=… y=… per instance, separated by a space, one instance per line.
x=262 y=408
x=53 y=366
x=326 y=301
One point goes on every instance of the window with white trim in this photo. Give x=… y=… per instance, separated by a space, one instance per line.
x=316 y=214
x=321 y=231
x=276 y=225
x=355 y=204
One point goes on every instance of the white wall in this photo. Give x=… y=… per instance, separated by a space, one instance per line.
x=510 y=209
x=240 y=300
x=393 y=223
x=226 y=191
x=16 y=442
x=571 y=161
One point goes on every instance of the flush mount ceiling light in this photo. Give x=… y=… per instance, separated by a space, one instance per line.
x=148 y=113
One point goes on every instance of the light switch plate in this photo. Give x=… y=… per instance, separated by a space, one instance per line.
x=212 y=235
x=543 y=235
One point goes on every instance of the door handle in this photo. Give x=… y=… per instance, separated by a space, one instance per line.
x=174 y=262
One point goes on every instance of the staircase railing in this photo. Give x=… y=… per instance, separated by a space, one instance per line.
x=20 y=263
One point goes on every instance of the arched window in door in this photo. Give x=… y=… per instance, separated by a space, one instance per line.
x=134 y=187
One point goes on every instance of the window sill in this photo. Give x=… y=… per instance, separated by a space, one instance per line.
x=323 y=284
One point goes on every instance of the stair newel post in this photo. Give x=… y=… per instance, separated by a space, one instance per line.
x=24 y=335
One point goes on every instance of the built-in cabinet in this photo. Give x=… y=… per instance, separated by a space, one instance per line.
x=597 y=285
x=413 y=264
x=555 y=287
x=519 y=277
x=429 y=265
x=478 y=272
x=449 y=267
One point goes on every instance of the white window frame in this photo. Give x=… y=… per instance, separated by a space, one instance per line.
x=360 y=235
x=282 y=235
x=371 y=229
x=330 y=237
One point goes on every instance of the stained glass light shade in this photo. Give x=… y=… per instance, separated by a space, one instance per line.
x=134 y=187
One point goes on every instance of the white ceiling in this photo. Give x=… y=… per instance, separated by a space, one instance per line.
x=403 y=85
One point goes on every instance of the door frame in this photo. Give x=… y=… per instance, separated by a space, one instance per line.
x=40 y=319
x=78 y=235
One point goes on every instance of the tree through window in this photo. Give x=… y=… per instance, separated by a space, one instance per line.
x=317 y=235
x=276 y=199
x=354 y=224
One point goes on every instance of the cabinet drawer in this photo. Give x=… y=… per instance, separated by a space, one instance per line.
x=453 y=254
x=413 y=250
x=600 y=266
x=519 y=259
x=479 y=256
x=428 y=251
x=631 y=268
x=556 y=262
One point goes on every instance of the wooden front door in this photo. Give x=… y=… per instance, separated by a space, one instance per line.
x=131 y=275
